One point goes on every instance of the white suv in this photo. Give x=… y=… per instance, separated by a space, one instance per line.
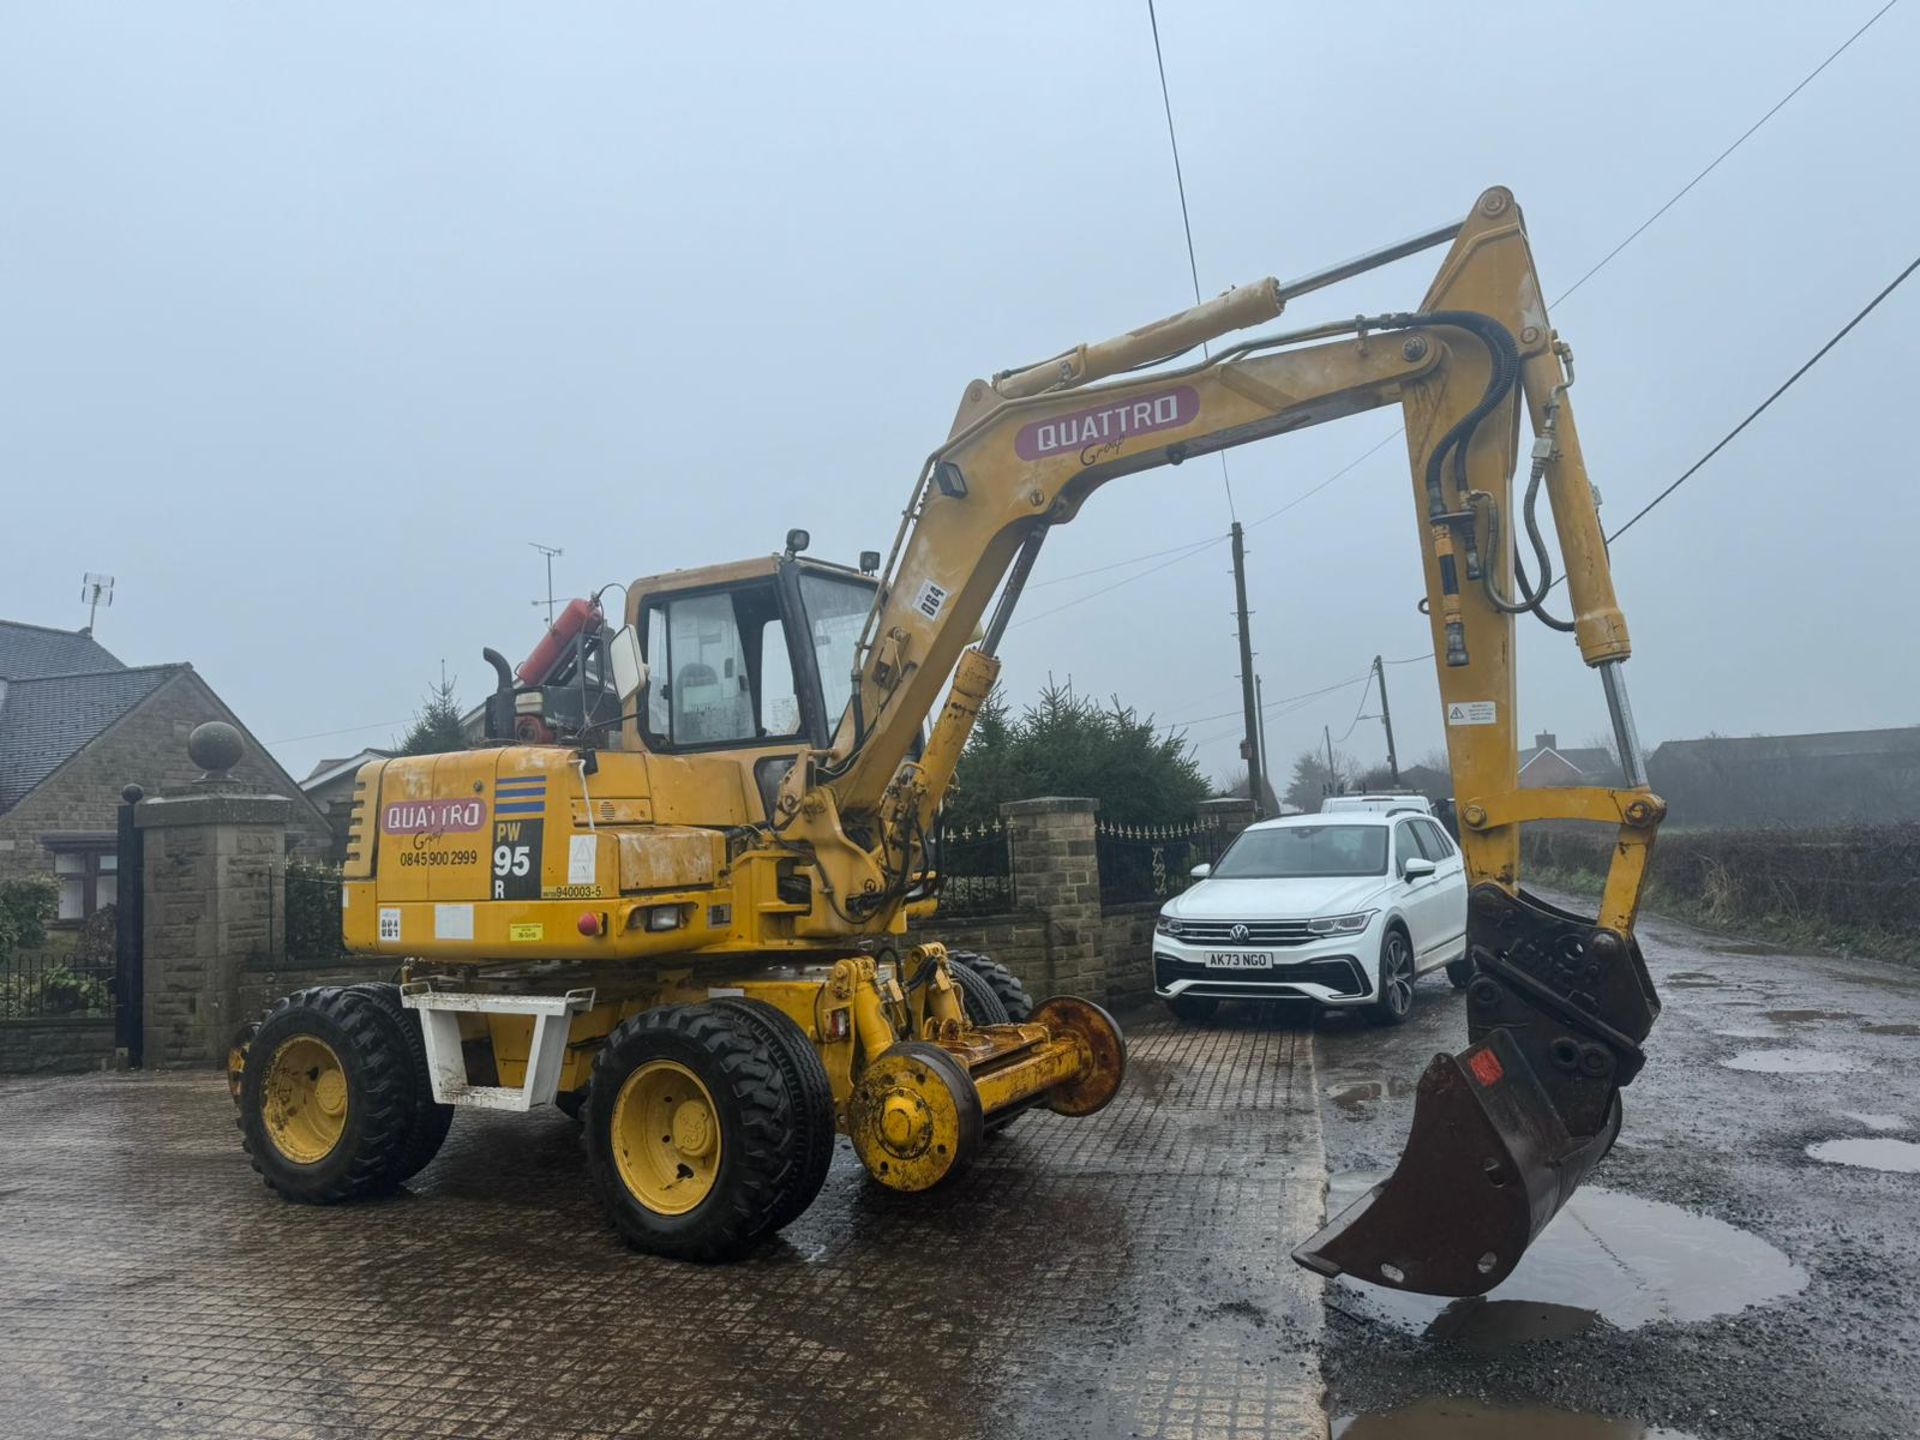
x=1342 y=910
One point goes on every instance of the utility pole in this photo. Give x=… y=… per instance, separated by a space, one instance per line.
x=1260 y=698
x=549 y=551
x=1327 y=730
x=1386 y=718
x=1249 y=700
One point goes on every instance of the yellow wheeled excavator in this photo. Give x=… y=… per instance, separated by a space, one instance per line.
x=671 y=893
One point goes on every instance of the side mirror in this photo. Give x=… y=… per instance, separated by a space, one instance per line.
x=629 y=669
x=1417 y=867
x=1200 y=872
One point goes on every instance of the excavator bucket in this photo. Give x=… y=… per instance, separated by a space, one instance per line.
x=1506 y=1131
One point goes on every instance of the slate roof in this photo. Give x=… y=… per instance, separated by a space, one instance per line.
x=1763 y=749
x=46 y=720
x=1589 y=760
x=28 y=652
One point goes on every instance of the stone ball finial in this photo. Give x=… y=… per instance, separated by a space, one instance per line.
x=216 y=747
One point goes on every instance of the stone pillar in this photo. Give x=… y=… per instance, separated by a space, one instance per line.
x=1056 y=874
x=214 y=871
x=1229 y=813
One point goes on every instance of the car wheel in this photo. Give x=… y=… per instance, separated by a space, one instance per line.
x=1460 y=973
x=1396 y=979
x=1193 y=1009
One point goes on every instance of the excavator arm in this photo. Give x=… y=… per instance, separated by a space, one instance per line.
x=1504 y=1132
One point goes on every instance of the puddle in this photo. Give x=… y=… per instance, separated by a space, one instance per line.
x=1891 y=1029
x=1876 y=1122
x=1607 y=1256
x=1791 y=1062
x=1870 y=1152
x=1451 y=1419
x=1356 y=1099
x=1750 y=1033
x=1796 y=1017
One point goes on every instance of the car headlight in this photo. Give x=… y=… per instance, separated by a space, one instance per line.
x=1166 y=925
x=1341 y=924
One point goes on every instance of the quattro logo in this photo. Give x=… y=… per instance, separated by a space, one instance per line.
x=516 y=859
x=422 y=817
x=1094 y=434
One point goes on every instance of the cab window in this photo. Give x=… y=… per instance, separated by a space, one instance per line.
x=720 y=670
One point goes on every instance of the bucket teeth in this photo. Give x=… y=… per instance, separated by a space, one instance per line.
x=1507 y=1130
x=1487 y=1165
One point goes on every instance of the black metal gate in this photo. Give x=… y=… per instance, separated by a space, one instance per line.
x=130 y=979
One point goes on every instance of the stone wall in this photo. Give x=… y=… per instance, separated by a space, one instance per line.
x=1060 y=939
x=260 y=985
x=148 y=747
x=1126 y=943
x=56 y=1046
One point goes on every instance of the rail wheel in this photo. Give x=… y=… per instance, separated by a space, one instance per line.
x=428 y=1122
x=1106 y=1052
x=323 y=1109
x=1013 y=996
x=915 y=1116
x=689 y=1131
x=809 y=1092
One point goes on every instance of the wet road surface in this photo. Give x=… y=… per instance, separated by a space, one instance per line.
x=1123 y=1275
x=1745 y=1264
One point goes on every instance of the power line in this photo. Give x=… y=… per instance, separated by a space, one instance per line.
x=1096 y=594
x=1601 y=264
x=1778 y=106
x=1190 y=547
x=1186 y=222
x=344 y=730
x=1685 y=475
x=1761 y=408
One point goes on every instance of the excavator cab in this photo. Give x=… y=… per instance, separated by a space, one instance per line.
x=750 y=661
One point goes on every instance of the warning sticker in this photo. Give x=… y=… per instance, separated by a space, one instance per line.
x=583 y=859
x=929 y=599
x=521 y=933
x=1473 y=712
x=453 y=922
x=389 y=924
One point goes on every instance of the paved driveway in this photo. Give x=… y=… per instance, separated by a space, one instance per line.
x=1120 y=1275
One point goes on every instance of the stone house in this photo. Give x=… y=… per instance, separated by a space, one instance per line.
x=76 y=727
x=330 y=789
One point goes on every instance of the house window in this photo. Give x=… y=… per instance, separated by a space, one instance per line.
x=87 y=880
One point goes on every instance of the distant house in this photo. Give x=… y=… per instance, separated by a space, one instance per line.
x=1831 y=778
x=77 y=726
x=330 y=788
x=1546 y=763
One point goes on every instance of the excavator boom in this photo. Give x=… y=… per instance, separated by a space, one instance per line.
x=1505 y=1131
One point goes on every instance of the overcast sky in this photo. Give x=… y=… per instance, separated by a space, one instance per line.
x=311 y=318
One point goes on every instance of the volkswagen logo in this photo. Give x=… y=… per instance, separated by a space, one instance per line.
x=1239 y=934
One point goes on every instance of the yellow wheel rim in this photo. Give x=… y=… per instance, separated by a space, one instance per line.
x=666 y=1137
x=303 y=1099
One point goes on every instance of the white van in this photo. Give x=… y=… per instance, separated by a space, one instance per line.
x=1379 y=802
